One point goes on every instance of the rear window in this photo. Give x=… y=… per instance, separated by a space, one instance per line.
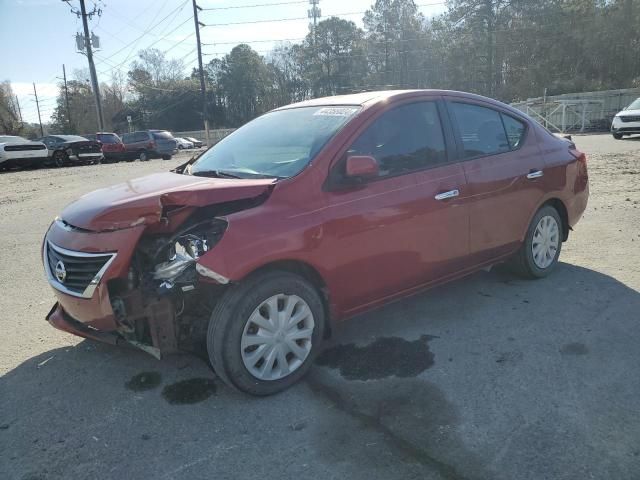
x=110 y=138
x=162 y=135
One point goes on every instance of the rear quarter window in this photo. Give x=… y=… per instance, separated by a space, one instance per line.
x=162 y=135
x=515 y=131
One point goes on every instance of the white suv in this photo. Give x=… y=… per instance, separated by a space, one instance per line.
x=627 y=122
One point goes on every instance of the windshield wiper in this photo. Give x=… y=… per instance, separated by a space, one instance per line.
x=214 y=173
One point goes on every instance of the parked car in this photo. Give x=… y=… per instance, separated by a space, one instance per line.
x=112 y=146
x=65 y=149
x=308 y=215
x=627 y=122
x=149 y=144
x=183 y=143
x=196 y=143
x=19 y=152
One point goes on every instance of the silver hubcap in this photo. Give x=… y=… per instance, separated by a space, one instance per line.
x=546 y=239
x=277 y=337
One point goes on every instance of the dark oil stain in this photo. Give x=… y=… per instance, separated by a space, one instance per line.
x=506 y=358
x=386 y=357
x=414 y=418
x=189 y=391
x=144 y=381
x=574 y=349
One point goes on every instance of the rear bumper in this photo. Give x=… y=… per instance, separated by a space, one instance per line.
x=86 y=157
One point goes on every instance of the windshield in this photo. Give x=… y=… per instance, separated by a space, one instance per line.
x=277 y=144
x=635 y=105
x=12 y=139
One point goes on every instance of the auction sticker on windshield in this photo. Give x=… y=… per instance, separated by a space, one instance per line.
x=337 y=111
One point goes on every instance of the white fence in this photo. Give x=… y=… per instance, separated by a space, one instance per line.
x=214 y=135
x=578 y=112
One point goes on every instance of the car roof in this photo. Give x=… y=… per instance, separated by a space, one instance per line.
x=74 y=138
x=370 y=98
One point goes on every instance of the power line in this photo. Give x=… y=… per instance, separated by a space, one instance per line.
x=256 y=5
x=151 y=26
x=290 y=19
x=131 y=52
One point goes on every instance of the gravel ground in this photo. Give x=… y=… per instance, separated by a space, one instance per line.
x=491 y=377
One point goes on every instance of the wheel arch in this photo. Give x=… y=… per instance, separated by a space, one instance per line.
x=310 y=274
x=564 y=215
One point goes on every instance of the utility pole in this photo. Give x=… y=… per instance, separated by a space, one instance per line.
x=66 y=98
x=92 y=67
x=19 y=110
x=203 y=90
x=490 y=33
x=314 y=13
x=38 y=107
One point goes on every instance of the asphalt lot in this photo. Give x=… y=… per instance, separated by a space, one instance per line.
x=491 y=377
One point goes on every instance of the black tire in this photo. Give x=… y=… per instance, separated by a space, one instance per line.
x=60 y=158
x=166 y=157
x=143 y=155
x=230 y=316
x=617 y=136
x=523 y=261
x=180 y=147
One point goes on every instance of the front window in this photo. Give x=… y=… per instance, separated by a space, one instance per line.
x=278 y=144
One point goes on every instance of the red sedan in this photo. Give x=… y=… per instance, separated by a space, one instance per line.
x=307 y=215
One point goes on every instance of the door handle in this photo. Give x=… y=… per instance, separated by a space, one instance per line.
x=535 y=174
x=449 y=194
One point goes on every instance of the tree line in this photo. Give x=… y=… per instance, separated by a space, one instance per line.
x=506 y=49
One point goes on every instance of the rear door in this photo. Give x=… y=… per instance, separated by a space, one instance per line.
x=504 y=168
x=390 y=234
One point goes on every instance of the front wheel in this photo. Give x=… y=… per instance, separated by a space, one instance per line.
x=265 y=332
x=617 y=136
x=60 y=158
x=539 y=253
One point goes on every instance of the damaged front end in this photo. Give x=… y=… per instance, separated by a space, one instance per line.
x=155 y=295
x=163 y=304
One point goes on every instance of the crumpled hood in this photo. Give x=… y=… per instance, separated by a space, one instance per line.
x=141 y=200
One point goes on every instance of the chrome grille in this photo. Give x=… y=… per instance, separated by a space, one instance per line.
x=75 y=273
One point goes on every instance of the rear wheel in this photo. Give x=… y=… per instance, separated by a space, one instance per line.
x=143 y=156
x=617 y=136
x=60 y=158
x=264 y=333
x=539 y=253
x=166 y=157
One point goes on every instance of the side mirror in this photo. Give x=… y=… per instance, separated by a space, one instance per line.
x=361 y=166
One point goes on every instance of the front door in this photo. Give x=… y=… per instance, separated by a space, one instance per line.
x=405 y=227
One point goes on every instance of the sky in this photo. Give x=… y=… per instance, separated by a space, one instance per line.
x=38 y=36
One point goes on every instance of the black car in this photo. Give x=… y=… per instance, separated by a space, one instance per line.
x=65 y=149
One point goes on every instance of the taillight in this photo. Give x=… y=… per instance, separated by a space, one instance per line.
x=151 y=145
x=578 y=155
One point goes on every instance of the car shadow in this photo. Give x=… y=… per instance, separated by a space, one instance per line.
x=490 y=377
